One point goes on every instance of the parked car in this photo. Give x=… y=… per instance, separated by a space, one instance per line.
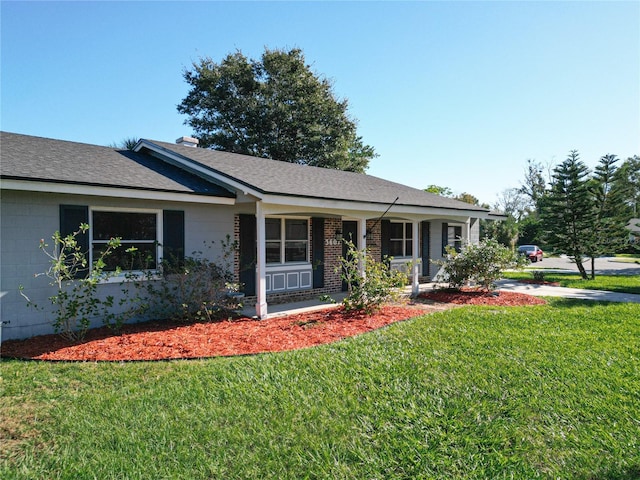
x=532 y=252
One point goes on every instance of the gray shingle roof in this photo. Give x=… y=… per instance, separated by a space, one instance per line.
x=281 y=178
x=24 y=157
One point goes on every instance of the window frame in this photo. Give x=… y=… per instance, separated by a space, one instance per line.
x=111 y=277
x=282 y=241
x=407 y=240
x=454 y=240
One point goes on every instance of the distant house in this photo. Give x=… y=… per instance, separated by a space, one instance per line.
x=288 y=219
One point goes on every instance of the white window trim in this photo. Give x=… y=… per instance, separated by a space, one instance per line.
x=404 y=240
x=139 y=274
x=283 y=240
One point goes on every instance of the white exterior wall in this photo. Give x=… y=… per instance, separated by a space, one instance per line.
x=27 y=217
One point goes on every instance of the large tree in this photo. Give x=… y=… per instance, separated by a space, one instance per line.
x=567 y=213
x=627 y=177
x=275 y=107
x=609 y=233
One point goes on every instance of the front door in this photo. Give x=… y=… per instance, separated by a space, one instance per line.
x=349 y=232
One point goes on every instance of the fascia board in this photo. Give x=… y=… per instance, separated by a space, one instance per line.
x=196 y=168
x=282 y=202
x=47 y=187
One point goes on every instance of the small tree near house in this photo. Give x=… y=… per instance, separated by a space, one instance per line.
x=378 y=285
x=76 y=301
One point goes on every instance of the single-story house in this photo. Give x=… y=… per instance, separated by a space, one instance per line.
x=287 y=219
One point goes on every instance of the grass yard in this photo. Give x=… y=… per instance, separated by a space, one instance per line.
x=471 y=393
x=612 y=283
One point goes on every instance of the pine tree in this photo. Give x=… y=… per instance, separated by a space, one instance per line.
x=609 y=233
x=568 y=214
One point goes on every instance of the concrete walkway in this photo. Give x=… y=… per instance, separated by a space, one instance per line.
x=579 y=293
x=315 y=304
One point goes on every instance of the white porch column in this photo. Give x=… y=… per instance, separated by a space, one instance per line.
x=415 y=282
x=261 y=263
x=468 y=231
x=362 y=244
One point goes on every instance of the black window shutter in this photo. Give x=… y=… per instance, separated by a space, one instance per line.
x=71 y=216
x=173 y=235
x=425 y=247
x=445 y=237
x=384 y=237
x=317 y=233
x=248 y=254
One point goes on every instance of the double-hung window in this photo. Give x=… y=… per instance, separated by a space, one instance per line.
x=454 y=237
x=139 y=234
x=401 y=239
x=287 y=240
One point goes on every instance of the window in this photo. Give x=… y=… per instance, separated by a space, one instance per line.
x=137 y=230
x=287 y=240
x=454 y=237
x=400 y=239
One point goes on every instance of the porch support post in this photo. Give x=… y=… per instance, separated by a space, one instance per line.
x=261 y=263
x=468 y=231
x=415 y=274
x=362 y=233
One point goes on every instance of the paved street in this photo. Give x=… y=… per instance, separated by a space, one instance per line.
x=604 y=266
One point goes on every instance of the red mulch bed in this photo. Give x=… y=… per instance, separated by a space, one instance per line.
x=241 y=336
x=477 y=297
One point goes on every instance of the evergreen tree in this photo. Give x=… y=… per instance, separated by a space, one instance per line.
x=609 y=233
x=568 y=213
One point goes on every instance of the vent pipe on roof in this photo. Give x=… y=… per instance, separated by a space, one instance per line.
x=188 y=141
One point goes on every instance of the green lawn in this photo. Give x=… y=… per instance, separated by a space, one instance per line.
x=471 y=393
x=612 y=283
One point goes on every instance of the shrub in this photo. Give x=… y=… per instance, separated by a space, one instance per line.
x=195 y=287
x=538 y=275
x=481 y=263
x=379 y=285
x=76 y=299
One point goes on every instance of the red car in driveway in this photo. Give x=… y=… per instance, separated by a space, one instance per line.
x=532 y=252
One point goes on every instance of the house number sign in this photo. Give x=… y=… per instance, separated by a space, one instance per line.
x=331 y=241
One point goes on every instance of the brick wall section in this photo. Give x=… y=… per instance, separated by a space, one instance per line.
x=236 y=253
x=374 y=239
x=332 y=254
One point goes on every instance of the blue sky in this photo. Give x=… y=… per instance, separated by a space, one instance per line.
x=457 y=94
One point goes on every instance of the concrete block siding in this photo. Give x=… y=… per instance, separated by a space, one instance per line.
x=27 y=217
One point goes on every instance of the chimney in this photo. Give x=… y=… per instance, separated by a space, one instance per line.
x=187 y=141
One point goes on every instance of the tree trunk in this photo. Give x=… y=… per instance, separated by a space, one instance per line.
x=593 y=268
x=581 y=269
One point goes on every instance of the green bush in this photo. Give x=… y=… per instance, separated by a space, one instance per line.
x=481 y=264
x=192 y=288
x=76 y=300
x=538 y=275
x=379 y=284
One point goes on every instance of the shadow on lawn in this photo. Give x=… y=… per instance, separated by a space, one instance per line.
x=628 y=473
x=559 y=302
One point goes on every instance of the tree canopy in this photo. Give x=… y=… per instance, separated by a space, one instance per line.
x=275 y=107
